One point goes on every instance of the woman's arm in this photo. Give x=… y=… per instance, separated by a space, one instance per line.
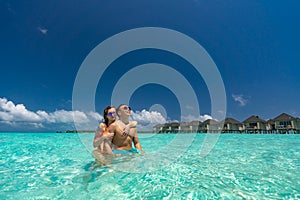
x=98 y=135
x=108 y=148
x=132 y=124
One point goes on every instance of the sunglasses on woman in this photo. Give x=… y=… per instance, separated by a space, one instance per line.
x=111 y=114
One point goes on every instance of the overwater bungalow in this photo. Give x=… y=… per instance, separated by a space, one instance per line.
x=158 y=128
x=231 y=125
x=174 y=127
x=270 y=125
x=166 y=128
x=196 y=126
x=285 y=122
x=211 y=125
x=254 y=125
x=185 y=127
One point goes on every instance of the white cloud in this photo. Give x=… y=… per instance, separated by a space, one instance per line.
x=242 y=101
x=18 y=116
x=46 y=116
x=5 y=116
x=63 y=116
x=43 y=30
x=201 y=118
x=147 y=119
x=12 y=114
x=37 y=125
x=95 y=115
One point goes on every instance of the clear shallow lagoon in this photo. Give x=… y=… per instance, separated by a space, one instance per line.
x=55 y=166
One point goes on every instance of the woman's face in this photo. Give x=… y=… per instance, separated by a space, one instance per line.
x=111 y=114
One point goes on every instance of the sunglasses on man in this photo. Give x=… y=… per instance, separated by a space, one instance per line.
x=126 y=108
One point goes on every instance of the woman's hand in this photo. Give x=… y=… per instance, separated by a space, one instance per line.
x=127 y=128
x=109 y=135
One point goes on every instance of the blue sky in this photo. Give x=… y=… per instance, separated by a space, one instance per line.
x=254 y=44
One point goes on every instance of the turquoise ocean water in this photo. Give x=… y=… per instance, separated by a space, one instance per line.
x=55 y=166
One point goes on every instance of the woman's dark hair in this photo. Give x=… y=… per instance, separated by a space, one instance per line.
x=105 y=112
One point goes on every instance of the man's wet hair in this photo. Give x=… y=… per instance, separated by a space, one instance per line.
x=118 y=108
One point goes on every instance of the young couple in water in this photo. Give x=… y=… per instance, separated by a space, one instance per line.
x=114 y=137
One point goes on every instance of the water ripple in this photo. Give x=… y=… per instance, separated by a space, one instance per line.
x=55 y=166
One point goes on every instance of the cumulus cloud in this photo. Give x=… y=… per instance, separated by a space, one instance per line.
x=242 y=101
x=18 y=116
x=63 y=116
x=5 y=116
x=95 y=115
x=147 y=119
x=12 y=114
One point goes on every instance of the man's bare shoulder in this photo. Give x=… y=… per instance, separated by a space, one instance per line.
x=119 y=122
x=112 y=125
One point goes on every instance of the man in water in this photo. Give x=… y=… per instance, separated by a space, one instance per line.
x=123 y=143
x=104 y=134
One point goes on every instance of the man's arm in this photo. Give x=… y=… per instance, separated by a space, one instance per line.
x=136 y=140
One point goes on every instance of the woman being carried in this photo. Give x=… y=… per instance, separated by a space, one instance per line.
x=104 y=135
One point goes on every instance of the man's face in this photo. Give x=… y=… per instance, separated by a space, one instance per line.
x=124 y=111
